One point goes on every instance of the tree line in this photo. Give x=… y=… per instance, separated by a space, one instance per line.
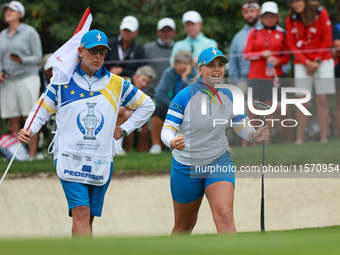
x=56 y=20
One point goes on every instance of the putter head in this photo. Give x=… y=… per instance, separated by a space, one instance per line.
x=262 y=105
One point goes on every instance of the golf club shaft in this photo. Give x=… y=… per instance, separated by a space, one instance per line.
x=262 y=191
x=263 y=106
x=262 y=186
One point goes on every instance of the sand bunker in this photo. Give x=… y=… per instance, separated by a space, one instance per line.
x=142 y=205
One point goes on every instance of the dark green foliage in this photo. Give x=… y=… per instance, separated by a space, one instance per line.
x=57 y=20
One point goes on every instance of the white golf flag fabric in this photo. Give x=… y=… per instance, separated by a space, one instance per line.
x=66 y=57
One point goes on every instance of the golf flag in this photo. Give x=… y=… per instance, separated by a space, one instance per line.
x=66 y=57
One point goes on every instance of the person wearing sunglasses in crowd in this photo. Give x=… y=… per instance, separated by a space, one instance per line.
x=86 y=114
x=309 y=37
x=264 y=48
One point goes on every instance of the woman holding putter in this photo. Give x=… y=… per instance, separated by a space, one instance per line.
x=201 y=163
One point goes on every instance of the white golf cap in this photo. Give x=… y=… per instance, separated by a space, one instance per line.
x=166 y=22
x=15 y=6
x=192 y=16
x=269 y=7
x=130 y=23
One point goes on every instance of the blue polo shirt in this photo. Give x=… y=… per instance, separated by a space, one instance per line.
x=194 y=46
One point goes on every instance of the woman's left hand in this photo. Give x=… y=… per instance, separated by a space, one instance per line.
x=261 y=135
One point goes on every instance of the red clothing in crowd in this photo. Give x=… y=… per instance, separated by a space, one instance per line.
x=259 y=40
x=315 y=36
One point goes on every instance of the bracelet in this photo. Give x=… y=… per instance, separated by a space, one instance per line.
x=252 y=137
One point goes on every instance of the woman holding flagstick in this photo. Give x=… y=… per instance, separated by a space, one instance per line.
x=198 y=146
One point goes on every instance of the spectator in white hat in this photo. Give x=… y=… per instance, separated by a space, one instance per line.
x=195 y=42
x=265 y=49
x=124 y=47
x=20 y=57
x=160 y=49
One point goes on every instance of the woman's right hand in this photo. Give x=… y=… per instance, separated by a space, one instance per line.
x=178 y=143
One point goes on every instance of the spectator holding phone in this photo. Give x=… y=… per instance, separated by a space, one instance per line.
x=20 y=57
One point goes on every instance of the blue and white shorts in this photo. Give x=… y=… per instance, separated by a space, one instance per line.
x=188 y=183
x=79 y=194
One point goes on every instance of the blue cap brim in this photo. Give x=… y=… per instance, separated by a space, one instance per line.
x=224 y=58
x=95 y=44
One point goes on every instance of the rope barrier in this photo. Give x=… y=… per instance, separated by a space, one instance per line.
x=149 y=60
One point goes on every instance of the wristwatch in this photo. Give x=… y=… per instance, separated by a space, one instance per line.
x=123 y=132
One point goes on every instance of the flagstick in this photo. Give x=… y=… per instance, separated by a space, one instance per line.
x=10 y=163
x=19 y=144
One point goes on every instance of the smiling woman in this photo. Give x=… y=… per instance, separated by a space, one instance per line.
x=213 y=72
x=196 y=145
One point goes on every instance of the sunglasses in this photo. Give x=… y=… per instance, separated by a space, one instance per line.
x=250 y=5
x=94 y=51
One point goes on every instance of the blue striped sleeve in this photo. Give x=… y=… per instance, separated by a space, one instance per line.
x=52 y=96
x=174 y=119
x=129 y=92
